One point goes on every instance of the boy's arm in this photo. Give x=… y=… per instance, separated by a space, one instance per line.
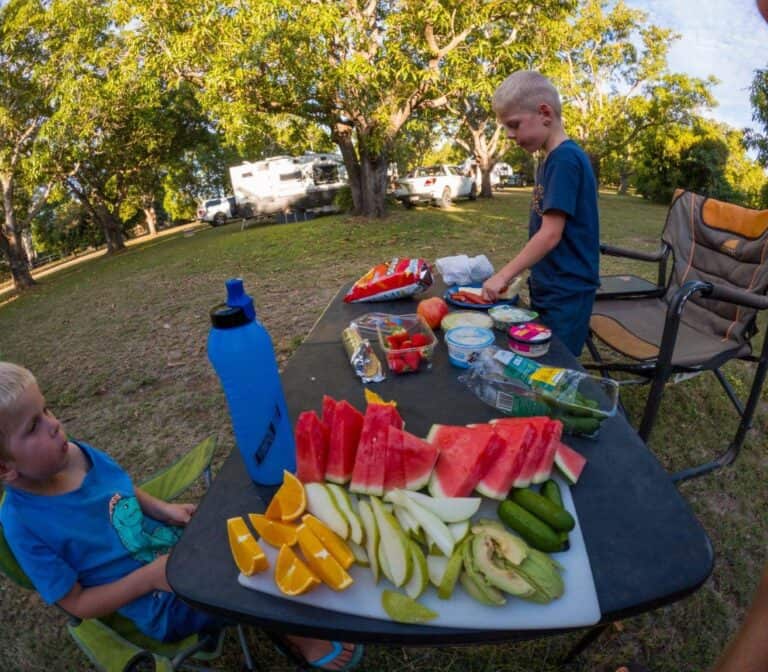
x=98 y=601
x=166 y=512
x=540 y=244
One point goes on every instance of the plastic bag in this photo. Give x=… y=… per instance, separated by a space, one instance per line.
x=463 y=270
x=490 y=380
x=395 y=279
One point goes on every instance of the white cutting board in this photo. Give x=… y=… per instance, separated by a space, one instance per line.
x=577 y=607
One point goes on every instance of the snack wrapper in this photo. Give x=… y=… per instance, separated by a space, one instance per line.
x=398 y=278
x=361 y=356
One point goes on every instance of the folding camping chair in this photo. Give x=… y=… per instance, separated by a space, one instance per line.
x=113 y=643
x=699 y=317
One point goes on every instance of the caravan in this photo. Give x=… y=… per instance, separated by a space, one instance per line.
x=285 y=183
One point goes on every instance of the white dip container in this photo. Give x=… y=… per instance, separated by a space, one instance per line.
x=530 y=339
x=466 y=343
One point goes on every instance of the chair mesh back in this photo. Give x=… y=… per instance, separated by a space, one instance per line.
x=720 y=243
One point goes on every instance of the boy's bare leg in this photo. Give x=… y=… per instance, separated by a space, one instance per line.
x=748 y=649
x=314 y=649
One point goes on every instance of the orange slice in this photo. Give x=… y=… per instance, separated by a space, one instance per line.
x=248 y=555
x=292 y=576
x=332 y=541
x=321 y=561
x=273 y=510
x=273 y=532
x=372 y=398
x=291 y=498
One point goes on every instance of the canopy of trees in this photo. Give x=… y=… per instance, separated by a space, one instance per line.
x=119 y=111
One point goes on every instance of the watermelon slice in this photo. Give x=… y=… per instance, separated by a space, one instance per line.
x=466 y=454
x=569 y=462
x=329 y=406
x=370 y=461
x=410 y=460
x=311 y=447
x=551 y=434
x=346 y=427
x=394 y=466
x=535 y=449
x=504 y=473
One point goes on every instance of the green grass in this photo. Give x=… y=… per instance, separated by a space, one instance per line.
x=118 y=345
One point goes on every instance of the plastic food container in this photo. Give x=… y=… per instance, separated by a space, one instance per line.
x=505 y=316
x=406 y=340
x=466 y=343
x=466 y=318
x=530 y=339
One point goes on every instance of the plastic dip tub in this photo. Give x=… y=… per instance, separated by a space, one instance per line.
x=466 y=318
x=530 y=339
x=466 y=343
x=505 y=316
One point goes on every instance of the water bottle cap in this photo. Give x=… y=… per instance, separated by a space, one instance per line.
x=228 y=317
x=236 y=296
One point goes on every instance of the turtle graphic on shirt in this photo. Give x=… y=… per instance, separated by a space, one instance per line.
x=143 y=543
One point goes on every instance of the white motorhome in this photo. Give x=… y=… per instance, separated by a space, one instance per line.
x=283 y=183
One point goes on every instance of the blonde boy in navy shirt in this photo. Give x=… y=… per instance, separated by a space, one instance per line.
x=563 y=249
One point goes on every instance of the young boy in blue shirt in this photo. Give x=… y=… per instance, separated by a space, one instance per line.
x=563 y=249
x=87 y=538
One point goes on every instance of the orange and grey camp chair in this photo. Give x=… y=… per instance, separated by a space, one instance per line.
x=698 y=316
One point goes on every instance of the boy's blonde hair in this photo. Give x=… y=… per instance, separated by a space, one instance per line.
x=525 y=90
x=14 y=379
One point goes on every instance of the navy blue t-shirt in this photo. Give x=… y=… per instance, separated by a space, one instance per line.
x=565 y=182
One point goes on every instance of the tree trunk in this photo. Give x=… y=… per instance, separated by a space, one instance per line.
x=367 y=175
x=10 y=240
x=486 y=190
x=112 y=228
x=150 y=214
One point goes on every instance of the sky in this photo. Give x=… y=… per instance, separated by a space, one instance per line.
x=724 y=38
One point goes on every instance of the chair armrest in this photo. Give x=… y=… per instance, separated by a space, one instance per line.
x=612 y=251
x=173 y=480
x=738 y=296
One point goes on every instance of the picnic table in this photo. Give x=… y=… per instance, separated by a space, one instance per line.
x=645 y=546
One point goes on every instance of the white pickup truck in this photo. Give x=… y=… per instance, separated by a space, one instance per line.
x=435 y=184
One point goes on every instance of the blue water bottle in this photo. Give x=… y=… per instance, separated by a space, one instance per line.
x=241 y=352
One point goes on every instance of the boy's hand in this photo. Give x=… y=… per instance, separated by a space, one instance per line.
x=493 y=287
x=178 y=514
x=156 y=573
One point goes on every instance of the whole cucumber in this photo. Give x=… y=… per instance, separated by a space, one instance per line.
x=579 y=425
x=540 y=506
x=536 y=532
x=551 y=490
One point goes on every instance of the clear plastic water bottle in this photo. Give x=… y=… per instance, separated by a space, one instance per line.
x=240 y=349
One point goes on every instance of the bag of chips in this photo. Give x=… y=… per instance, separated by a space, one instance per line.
x=395 y=279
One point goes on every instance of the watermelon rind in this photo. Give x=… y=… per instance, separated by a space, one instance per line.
x=570 y=463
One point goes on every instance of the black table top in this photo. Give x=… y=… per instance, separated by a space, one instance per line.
x=645 y=545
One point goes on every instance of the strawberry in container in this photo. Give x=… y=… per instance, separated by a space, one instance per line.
x=406 y=340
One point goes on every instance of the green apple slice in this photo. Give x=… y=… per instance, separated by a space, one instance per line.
x=451 y=575
x=393 y=544
x=361 y=557
x=419 y=580
x=371 y=537
x=407 y=522
x=321 y=504
x=343 y=503
x=447 y=509
x=436 y=566
x=459 y=530
x=429 y=522
x=404 y=609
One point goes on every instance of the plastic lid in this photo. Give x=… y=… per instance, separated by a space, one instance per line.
x=530 y=333
x=472 y=337
x=228 y=317
x=236 y=296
